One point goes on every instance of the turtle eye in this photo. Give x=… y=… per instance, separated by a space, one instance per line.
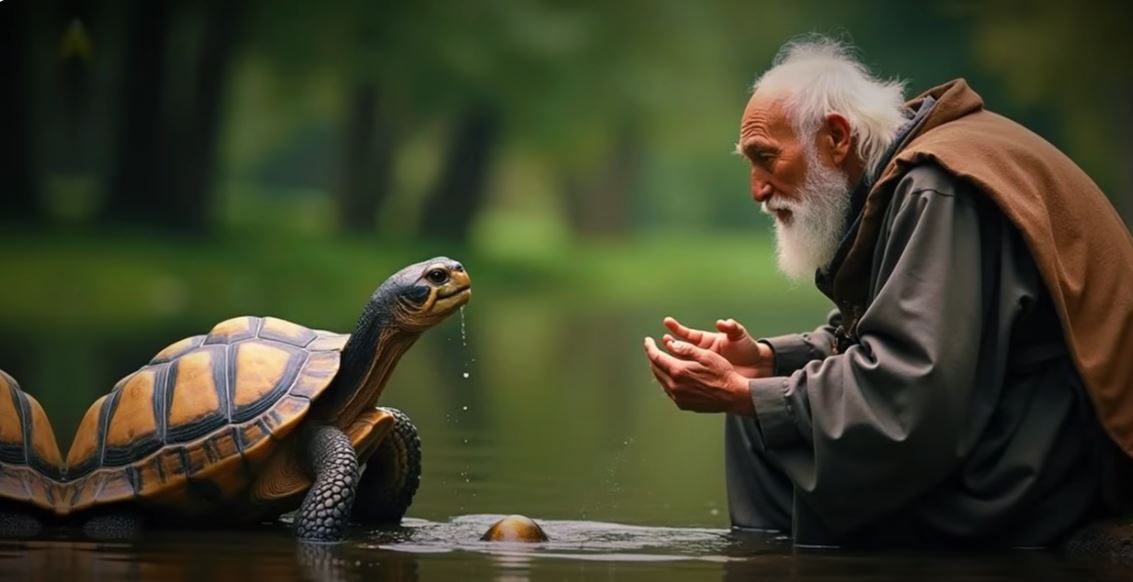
x=437 y=276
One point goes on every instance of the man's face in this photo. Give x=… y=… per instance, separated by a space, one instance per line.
x=797 y=184
x=769 y=142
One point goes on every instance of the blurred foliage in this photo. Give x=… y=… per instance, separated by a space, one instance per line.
x=130 y=282
x=614 y=118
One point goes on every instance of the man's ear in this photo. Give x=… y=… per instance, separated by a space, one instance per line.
x=837 y=136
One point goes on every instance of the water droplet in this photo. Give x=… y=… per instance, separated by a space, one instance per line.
x=465 y=407
x=463 y=332
x=464 y=340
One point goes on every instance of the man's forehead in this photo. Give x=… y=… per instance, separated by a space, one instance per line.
x=765 y=116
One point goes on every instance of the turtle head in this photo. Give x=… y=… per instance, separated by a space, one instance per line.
x=401 y=308
x=422 y=295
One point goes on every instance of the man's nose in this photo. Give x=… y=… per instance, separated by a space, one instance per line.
x=760 y=187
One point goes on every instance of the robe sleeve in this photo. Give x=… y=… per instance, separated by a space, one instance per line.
x=864 y=432
x=793 y=351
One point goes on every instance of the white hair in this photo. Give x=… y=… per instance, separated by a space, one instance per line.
x=818 y=75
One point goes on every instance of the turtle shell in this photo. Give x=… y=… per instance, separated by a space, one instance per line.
x=190 y=429
x=28 y=451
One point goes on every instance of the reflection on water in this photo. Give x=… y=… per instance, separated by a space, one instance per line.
x=451 y=550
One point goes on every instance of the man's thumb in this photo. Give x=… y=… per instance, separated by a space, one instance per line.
x=732 y=329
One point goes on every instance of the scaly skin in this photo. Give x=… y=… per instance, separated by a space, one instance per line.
x=325 y=512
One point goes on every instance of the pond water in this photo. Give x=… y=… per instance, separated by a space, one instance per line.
x=543 y=407
x=451 y=550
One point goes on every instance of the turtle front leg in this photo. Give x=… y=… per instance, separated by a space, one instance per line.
x=325 y=511
x=392 y=473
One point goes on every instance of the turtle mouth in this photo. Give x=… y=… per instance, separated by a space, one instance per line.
x=467 y=289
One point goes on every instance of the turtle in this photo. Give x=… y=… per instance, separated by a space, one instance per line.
x=260 y=416
x=31 y=466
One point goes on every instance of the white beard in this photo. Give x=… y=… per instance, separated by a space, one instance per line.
x=818 y=220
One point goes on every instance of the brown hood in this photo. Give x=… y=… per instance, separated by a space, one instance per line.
x=1078 y=241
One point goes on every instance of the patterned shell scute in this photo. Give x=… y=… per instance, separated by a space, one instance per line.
x=235 y=376
x=29 y=457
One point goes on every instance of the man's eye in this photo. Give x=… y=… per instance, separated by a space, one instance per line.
x=762 y=158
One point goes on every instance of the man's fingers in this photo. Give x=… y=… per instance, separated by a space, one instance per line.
x=687 y=350
x=681 y=353
x=659 y=373
x=660 y=359
x=693 y=335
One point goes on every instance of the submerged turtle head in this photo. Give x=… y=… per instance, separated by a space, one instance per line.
x=422 y=295
x=515 y=528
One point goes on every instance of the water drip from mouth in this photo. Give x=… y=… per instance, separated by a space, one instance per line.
x=464 y=341
x=463 y=329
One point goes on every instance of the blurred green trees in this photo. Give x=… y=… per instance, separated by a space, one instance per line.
x=468 y=120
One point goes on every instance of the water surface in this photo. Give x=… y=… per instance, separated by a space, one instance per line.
x=450 y=550
x=538 y=406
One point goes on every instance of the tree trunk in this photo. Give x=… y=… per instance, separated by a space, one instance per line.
x=137 y=190
x=196 y=161
x=602 y=204
x=367 y=160
x=19 y=189
x=460 y=190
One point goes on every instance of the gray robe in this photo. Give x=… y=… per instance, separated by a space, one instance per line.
x=957 y=417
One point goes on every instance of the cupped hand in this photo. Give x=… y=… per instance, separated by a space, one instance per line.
x=698 y=379
x=731 y=341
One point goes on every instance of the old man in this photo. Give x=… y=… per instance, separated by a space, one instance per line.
x=974 y=382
